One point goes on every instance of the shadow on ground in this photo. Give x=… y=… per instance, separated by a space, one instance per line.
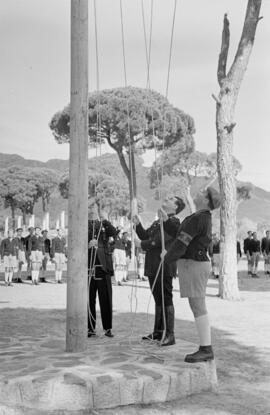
x=243 y=371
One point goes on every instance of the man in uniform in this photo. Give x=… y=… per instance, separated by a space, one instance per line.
x=31 y=231
x=255 y=253
x=247 y=250
x=21 y=254
x=9 y=255
x=47 y=250
x=189 y=249
x=36 y=253
x=151 y=243
x=100 y=270
x=265 y=246
x=58 y=254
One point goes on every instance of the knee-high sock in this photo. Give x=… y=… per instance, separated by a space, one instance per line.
x=59 y=275
x=6 y=276
x=10 y=275
x=204 y=330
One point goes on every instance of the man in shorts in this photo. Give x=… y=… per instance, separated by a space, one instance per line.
x=36 y=254
x=58 y=255
x=21 y=254
x=9 y=255
x=189 y=249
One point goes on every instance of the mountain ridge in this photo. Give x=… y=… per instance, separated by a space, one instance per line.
x=256 y=209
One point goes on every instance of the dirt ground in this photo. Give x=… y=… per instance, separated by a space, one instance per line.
x=240 y=330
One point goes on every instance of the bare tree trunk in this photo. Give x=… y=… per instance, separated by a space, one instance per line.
x=13 y=216
x=76 y=326
x=225 y=108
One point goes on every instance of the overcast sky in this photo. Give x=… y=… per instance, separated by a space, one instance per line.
x=35 y=70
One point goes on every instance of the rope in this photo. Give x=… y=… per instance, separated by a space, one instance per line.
x=148 y=56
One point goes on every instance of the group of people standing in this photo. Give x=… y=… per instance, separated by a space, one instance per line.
x=35 y=250
x=254 y=248
x=168 y=248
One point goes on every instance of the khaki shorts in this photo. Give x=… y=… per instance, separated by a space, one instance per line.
x=36 y=256
x=10 y=261
x=193 y=277
x=59 y=259
x=21 y=256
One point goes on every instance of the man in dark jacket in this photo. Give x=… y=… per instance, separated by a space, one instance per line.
x=100 y=270
x=247 y=251
x=265 y=247
x=151 y=243
x=255 y=252
x=189 y=249
x=47 y=251
x=31 y=231
x=9 y=255
x=21 y=254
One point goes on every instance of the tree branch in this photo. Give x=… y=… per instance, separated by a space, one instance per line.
x=216 y=99
x=239 y=65
x=225 y=43
x=230 y=127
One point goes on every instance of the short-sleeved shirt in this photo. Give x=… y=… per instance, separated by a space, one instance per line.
x=194 y=237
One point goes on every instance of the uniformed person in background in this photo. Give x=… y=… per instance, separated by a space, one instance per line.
x=265 y=247
x=47 y=250
x=58 y=254
x=151 y=243
x=238 y=251
x=36 y=253
x=190 y=250
x=247 y=251
x=21 y=254
x=100 y=270
x=214 y=252
x=31 y=231
x=255 y=252
x=9 y=255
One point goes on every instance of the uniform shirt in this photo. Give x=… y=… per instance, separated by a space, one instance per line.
x=119 y=244
x=247 y=245
x=101 y=231
x=47 y=245
x=36 y=243
x=254 y=246
x=265 y=245
x=9 y=247
x=21 y=243
x=127 y=247
x=193 y=237
x=58 y=246
x=238 y=249
x=26 y=241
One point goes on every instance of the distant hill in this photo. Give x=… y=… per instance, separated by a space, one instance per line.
x=256 y=209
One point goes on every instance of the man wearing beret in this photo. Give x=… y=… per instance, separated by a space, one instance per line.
x=189 y=249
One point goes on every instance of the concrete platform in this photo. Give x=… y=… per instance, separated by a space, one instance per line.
x=38 y=377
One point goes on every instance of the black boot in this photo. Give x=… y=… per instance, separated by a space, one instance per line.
x=204 y=354
x=169 y=339
x=157 y=333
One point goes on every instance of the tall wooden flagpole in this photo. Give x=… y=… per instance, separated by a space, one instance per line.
x=76 y=325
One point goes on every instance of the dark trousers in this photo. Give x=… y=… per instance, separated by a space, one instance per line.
x=102 y=285
x=167 y=288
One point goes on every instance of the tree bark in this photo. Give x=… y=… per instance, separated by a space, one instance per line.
x=225 y=109
x=12 y=207
x=76 y=324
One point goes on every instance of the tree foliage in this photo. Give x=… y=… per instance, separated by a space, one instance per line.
x=22 y=187
x=130 y=120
